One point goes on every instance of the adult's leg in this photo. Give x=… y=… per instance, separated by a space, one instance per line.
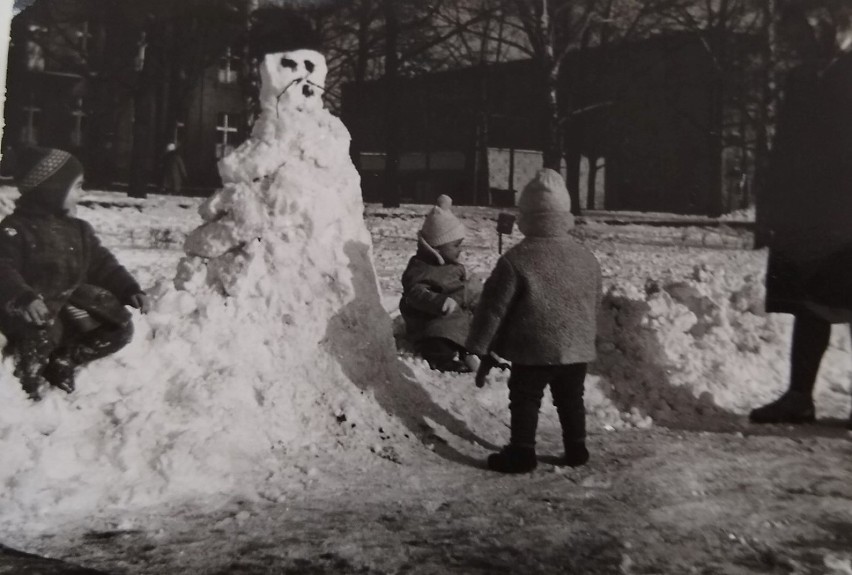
x=811 y=335
x=810 y=340
x=567 y=389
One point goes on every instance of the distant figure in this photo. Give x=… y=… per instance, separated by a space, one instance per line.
x=805 y=212
x=438 y=297
x=539 y=310
x=174 y=171
x=62 y=294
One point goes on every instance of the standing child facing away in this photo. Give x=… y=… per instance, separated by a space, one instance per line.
x=437 y=295
x=539 y=310
x=62 y=294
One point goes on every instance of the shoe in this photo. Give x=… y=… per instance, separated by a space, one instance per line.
x=513 y=459
x=792 y=407
x=576 y=454
x=59 y=372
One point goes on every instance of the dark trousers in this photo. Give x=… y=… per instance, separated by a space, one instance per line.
x=35 y=348
x=810 y=340
x=526 y=389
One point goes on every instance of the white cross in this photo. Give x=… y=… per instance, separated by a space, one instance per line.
x=225 y=128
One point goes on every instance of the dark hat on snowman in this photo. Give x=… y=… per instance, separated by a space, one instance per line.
x=44 y=177
x=276 y=30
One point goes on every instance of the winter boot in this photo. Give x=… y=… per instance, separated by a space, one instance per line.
x=31 y=382
x=60 y=373
x=513 y=459
x=792 y=407
x=576 y=454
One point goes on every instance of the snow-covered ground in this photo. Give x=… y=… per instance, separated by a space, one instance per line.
x=683 y=343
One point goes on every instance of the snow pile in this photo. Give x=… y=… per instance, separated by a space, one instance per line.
x=687 y=349
x=272 y=346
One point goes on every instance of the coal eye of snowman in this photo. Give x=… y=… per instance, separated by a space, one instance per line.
x=288 y=63
x=309 y=66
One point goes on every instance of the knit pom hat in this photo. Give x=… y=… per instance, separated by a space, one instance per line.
x=441 y=226
x=545 y=206
x=44 y=177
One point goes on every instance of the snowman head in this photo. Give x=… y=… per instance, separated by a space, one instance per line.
x=292 y=69
x=294 y=79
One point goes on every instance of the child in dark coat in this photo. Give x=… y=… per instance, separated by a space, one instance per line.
x=62 y=294
x=539 y=310
x=437 y=295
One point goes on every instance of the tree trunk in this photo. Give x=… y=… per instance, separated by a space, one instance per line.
x=553 y=138
x=360 y=72
x=143 y=117
x=390 y=196
x=761 y=153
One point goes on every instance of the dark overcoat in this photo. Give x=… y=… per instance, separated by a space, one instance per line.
x=55 y=257
x=806 y=208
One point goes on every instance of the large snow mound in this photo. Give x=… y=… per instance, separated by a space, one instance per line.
x=271 y=345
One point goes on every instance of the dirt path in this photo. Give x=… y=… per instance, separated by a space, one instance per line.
x=655 y=501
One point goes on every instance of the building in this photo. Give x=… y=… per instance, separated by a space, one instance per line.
x=645 y=132
x=95 y=82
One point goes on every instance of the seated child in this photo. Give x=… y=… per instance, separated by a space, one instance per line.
x=62 y=294
x=437 y=295
x=539 y=310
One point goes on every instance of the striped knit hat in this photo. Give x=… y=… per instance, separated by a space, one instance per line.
x=44 y=177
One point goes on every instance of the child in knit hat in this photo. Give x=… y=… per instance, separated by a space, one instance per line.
x=62 y=294
x=437 y=296
x=539 y=310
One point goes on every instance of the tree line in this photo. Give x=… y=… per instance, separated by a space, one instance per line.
x=155 y=51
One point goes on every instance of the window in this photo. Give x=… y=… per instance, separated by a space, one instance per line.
x=178 y=135
x=32 y=113
x=78 y=124
x=141 y=46
x=227 y=132
x=35 y=56
x=228 y=67
x=83 y=36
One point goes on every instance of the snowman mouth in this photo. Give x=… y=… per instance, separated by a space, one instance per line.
x=309 y=89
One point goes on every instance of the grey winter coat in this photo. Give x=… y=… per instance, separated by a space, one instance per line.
x=540 y=304
x=426 y=285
